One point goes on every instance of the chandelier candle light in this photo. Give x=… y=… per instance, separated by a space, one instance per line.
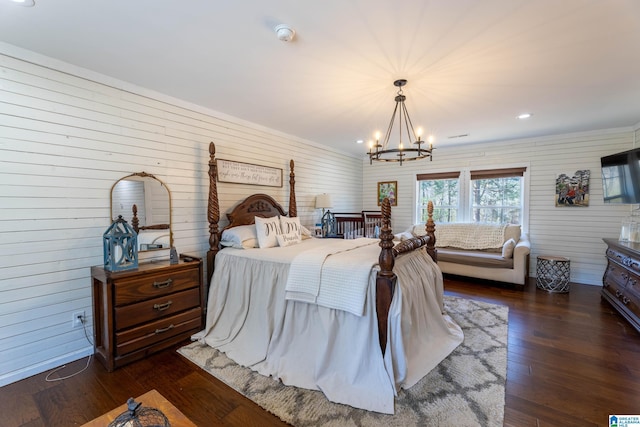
x=383 y=153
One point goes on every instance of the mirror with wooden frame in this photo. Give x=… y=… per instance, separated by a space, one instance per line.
x=144 y=201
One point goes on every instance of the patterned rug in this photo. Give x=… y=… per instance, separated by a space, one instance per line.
x=466 y=389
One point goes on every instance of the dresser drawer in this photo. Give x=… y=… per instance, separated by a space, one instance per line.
x=614 y=288
x=633 y=286
x=128 y=291
x=156 y=308
x=616 y=274
x=150 y=333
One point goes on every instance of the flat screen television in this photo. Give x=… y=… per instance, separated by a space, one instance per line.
x=621 y=177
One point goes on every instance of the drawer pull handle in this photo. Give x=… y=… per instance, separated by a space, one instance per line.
x=162 y=285
x=161 y=307
x=618 y=293
x=168 y=328
x=625 y=300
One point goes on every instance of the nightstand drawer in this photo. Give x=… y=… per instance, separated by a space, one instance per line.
x=150 y=333
x=156 y=308
x=128 y=291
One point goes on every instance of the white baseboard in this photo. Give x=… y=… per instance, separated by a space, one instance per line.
x=29 y=371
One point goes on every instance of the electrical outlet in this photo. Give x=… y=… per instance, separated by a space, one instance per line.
x=78 y=317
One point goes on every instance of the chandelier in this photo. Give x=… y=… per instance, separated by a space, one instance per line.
x=419 y=150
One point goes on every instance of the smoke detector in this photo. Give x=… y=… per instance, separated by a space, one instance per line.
x=285 y=32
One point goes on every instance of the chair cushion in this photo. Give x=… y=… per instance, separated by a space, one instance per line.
x=475 y=258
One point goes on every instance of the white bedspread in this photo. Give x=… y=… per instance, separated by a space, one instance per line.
x=311 y=346
x=318 y=276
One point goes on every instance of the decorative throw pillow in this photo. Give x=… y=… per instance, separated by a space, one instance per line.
x=305 y=232
x=507 y=248
x=290 y=225
x=512 y=232
x=288 y=239
x=419 y=230
x=241 y=237
x=405 y=235
x=267 y=230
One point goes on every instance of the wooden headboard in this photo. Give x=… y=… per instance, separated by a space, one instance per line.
x=261 y=205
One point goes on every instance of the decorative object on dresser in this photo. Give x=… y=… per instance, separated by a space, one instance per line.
x=139 y=312
x=120 y=246
x=147 y=201
x=621 y=281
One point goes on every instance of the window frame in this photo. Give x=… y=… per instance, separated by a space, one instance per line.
x=465 y=209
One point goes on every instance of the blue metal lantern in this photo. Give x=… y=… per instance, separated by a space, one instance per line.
x=120 y=246
x=329 y=225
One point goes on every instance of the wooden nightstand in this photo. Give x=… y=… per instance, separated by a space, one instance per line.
x=139 y=312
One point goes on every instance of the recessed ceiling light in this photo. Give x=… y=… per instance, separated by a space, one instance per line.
x=25 y=3
x=524 y=116
x=360 y=141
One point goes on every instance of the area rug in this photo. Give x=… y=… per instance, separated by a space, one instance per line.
x=466 y=389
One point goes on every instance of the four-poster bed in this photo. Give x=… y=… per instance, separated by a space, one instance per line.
x=395 y=335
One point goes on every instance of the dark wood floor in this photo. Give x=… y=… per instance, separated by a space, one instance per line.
x=572 y=361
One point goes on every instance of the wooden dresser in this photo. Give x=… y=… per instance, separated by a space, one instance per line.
x=139 y=312
x=621 y=281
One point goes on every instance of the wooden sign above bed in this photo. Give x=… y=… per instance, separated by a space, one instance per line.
x=247 y=173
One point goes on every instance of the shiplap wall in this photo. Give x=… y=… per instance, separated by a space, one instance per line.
x=66 y=135
x=573 y=232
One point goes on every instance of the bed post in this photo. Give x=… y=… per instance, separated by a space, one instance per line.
x=430 y=227
x=135 y=222
x=293 y=209
x=386 y=278
x=213 y=213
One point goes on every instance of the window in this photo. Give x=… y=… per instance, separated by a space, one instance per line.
x=486 y=196
x=443 y=190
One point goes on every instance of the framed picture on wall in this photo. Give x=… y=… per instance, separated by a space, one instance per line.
x=388 y=189
x=573 y=190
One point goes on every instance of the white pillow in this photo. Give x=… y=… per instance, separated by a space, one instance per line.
x=241 y=237
x=419 y=230
x=290 y=225
x=507 y=248
x=405 y=235
x=288 y=239
x=267 y=230
x=305 y=231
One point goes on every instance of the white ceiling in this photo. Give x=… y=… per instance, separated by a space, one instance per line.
x=471 y=65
